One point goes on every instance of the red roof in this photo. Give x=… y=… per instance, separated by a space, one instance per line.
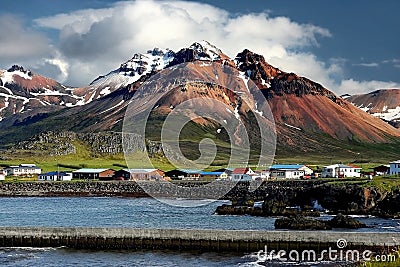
x=240 y=171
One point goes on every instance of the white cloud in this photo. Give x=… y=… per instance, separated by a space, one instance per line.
x=358 y=87
x=20 y=43
x=93 y=42
x=102 y=39
x=368 y=65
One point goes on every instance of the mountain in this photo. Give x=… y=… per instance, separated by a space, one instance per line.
x=24 y=94
x=308 y=117
x=384 y=104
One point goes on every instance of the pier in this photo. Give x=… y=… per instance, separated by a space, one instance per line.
x=193 y=239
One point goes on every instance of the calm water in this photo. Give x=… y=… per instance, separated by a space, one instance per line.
x=132 y=212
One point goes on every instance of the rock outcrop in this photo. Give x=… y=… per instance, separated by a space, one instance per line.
x=301 y=223
x=361 y=198
x=305 y=223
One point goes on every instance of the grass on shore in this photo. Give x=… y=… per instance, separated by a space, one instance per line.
x=85 y=158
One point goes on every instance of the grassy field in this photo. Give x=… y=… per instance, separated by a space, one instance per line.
x=85 y=158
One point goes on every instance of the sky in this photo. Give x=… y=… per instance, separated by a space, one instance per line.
x=347 y=46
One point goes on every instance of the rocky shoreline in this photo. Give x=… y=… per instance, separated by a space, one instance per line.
x=72 y=189
x=278 y=198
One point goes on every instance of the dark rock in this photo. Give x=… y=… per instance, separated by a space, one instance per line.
x=342 y=221
x=301 y=223
x=238 y=210
x=275 y=204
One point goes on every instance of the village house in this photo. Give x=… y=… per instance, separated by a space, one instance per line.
x=289 y=171
x=340 y=171
x=55 y=176
x=213 y=175
x=183 y=174
x=262 y=174
x=101 y=174
x=242 y=175
x=2 y=175
x=382 y=170
x=22 y=170
x=140 y=174
x=395 y=167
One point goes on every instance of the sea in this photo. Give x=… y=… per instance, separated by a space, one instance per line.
x=140 y=213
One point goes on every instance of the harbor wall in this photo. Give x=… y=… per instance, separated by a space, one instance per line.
x=193 y=239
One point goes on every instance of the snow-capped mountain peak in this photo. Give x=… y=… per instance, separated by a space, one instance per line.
x=154 y=60
x=7 y=76
x=206 y=51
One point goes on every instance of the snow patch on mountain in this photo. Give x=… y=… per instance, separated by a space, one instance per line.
x=245 y=79
x=389 y=114
x=138 y=66
x=8 y=76
x=293 y=127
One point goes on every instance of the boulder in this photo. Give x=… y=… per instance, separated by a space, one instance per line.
x=301 y=223
x=238 y=210
x=343 y=221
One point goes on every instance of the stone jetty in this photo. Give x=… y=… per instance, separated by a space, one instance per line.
x=194 y=239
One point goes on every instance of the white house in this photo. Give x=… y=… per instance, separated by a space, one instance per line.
x=55 y=176
x=242 y=175
x=340 y=171
x=394 y=167
x=288 y=171
x=2 y=175
x=262 y=174
x=213 y=175
x=23 y=170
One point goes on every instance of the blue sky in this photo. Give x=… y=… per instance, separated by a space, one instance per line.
x=349 y=47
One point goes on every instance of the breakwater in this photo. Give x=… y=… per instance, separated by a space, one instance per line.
x=183 y=189
x=193 y=239
x=90 y=188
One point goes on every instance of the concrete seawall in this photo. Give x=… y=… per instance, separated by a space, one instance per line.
x=192 y=239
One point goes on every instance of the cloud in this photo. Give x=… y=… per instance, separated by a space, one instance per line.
x=368 y=65
x=30 y=48
x=100 y=40
x=359 y=87
x=395 y=62
x=93 y=42
x=18 y=42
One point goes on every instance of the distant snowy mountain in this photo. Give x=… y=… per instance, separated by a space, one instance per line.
x=23 y=92
x=384 y=104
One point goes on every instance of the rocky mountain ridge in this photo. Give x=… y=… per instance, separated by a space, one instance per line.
x=304 y=111
x=384 y=104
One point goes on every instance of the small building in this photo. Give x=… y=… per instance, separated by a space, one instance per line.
x=213 y=175
x=382 y=170
x=289 y=171
x=394 y=167
x=140 y=174
x=262 y=174
x=22 y=170
x=91 y=174
x=183 y=174
x=2 y=175
x=55 y=176
x=242 y=175
x=340 y=171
